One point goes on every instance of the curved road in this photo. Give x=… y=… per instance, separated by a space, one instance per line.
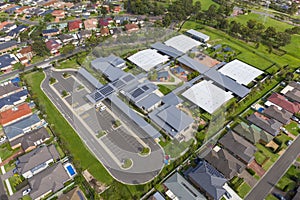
x=144 y=169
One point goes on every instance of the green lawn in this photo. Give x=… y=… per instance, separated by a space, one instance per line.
x=71 y=63
x=174 y=148
x=243 y=190
x=280 y=26
x=166 y=89
x=287 y=182
x=71 y=141
x=268 y=154
x=271 y=197
x=260 y=157
x=293 y=47
x=6 y=151
x=206 y=3
x=293 y=128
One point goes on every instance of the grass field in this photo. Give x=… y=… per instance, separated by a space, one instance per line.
x=71 y=63
x=206 y=3
x=280 y=26
x=166 y=89
x=243 y=190
x=268 y=154
x=81 y=156
x=287 y=182
x=6 y=151
x=257 y=57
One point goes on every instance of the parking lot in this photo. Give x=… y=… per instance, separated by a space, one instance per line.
x=123 y=142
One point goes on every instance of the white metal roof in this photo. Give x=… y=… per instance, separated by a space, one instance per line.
x=182 y=43
x=240 y=71
x=147 y=59
x=198 y=34
x=207 y=96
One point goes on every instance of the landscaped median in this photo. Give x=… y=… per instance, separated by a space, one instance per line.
x=70 y=141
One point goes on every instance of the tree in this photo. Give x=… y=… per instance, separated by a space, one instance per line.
x=103 y=11
x=251 y=23
x=67 y=49
x=283 y=38
x=48 y=17
x=270 y=32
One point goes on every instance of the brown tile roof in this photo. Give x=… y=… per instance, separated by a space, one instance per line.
x=129 y=27
x=25 y=50
x=282 y=102
x=15 y=113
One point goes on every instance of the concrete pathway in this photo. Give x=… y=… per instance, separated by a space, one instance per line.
x=10 y=191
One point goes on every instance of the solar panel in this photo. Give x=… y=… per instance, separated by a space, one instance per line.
x=128 y=78
x=145 y=87
x=118 y=83
x=106 y=90
x=98 y=96
x=137 y=92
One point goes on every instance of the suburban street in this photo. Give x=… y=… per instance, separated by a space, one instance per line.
x=270 y=179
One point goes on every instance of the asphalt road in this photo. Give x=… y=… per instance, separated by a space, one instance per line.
x=144 y=168
x=273 y=175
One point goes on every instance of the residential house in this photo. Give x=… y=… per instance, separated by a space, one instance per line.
x=58 y=14
x=50 y=180
x=271 y=126
x=7 y=28
x=50 y=32
x=103 y=22
x=84 y=34
x=75 y=25
x=149 y=103
x=14 y=114
x=172 y=99
x=238 y=146
x=121 y=19
x=90 y=24
x=53 y=46
x=207 y=179
x=292 y=91
x=177 y=187
x=225 y=162
x=172 y=120
x=282 y=103
x=66 y=38
x=157 y=196
x=36 y=160
x=8 y=46
x=13 y=99
x=131 y=28
x=25 y=55
x=282 y=115
x=253 y=133
x=116 y=8
x=104 y=32
x=3 y=24
x=8 y=88
x=7 y=61
x=163 y=76
x=31 y=140
x=74 y=194
x=22 y=10
x=16 y=31
x=23 y=126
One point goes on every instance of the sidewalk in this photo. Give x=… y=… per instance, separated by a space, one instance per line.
x=10 y=192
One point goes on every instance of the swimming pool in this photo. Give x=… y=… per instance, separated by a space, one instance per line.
x=70 y=169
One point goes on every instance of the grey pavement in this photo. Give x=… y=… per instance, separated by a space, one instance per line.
x=273 y=175
x=7 y=175
x=117 y=142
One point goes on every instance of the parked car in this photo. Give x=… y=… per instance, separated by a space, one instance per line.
x=279 y=196
x=102 y=108
x=2 y=139
x=25 y=192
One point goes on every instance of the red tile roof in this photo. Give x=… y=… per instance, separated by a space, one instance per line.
x=10 y=115
x=26 y=50
x=103 y=22
x=52 y=44
x=282 y=102
x=74 y=25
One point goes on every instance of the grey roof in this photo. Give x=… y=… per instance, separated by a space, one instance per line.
x=295 y=85
x=226 y=163
x=172 y=99
x=209 y=179
x=36 y=158
x=182 y=188
x=102 y=65
x=141 y=91
x=17 y=128
x=158 y=196
x=198 y=34
x=148 y=101
x=238 y=146
x=11 y=99
x=115 y=60
x=293 y=95
x=171 y=119
x=193 y=64
x=252 y=133
x=134 y=116
x=51 y=179
x=282 y=115
x=8 y=89
x=31 y=139
x=90 y=78
x=8 y=44
x=227 y=82
x=63 y=37
x=170 y=51
x=6 y=60
x=271 y=126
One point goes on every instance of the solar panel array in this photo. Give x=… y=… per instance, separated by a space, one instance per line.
x=145 y=87
x=137 y=92
x=106 y=90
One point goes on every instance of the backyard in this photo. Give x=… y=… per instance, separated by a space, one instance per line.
x=289 y=180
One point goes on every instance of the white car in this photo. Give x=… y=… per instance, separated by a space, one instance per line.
x=102 y=108
x=25 y=192
x=2 y=139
